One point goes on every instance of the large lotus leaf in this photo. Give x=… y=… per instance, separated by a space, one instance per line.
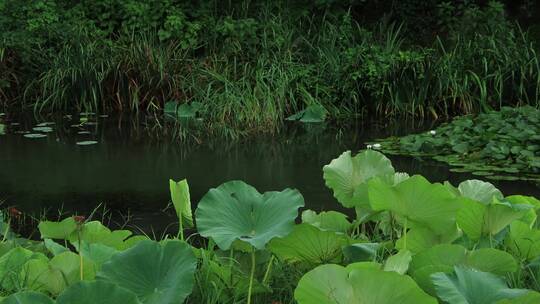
x=181 y=201
x=327 y=220
x=479 y=191
x=157 y=274
x=442 y=258
x=485 y=259
x=12 y=264
x=532 y=297
x=416 y=201
x=477 y=219
x=347 y=176
x=237 y=211
x=333 y=284
x=97 y=292
x=309 y=244
x=27 y=297
x=57 y=230
x=523 y=241
x=469 y=286
x=420 y=238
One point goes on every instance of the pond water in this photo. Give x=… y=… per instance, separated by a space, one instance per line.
x=127 y=171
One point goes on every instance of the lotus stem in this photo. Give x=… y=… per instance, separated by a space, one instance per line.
x=81 y=269
x=7 y=230
x=181 y=228
x=252 y=275
x=405 y=235
x=268 y=269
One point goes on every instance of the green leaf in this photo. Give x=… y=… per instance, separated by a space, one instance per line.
x=95 y=232
x=443 y=258
x=468 y=286
x=399 y=263
x=333 y=284
x=417 y=202
x=237 y=211
x=57 y=230
x=54 y=247
x=327 y=220
x=157 y=274
x=97 y=292
x=181 y=201
x=361 y=252
x=477 y=219
x=27 y=297
x=309 y=244
x=479 y=191
x=11 y=266
x=347 y=176
x=532 y=297
x=523 y=241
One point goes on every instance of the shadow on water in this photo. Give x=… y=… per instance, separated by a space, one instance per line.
x=129 y=168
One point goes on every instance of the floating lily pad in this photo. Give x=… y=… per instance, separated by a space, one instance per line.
x=34 y=135
x=43 y=129
x=86 y=143
x=502 y=143
x=45 y=124
x=84 y=132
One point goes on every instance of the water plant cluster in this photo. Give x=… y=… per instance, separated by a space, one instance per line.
x=248 y=65
x=411 y=241
x=500 y=145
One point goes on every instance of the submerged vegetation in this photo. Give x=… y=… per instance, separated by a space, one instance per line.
x=411 y=241
x=498 y=145
x=248 y=65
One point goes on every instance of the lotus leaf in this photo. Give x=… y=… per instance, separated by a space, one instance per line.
x=182 y=202
x=333 y=284
x=523 y=241
x=27 y=297
x=327 y=220
x=309 y=244
x=97 y=292
x=417 y=203
x=237 y=211
x=399 y=262
x=57 y=230
x=347 y=176
x=157 y=274
x=468 y=286
x=479 y=191
x=477 y=219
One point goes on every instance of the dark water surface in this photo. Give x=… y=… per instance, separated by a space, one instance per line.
x=128 y=170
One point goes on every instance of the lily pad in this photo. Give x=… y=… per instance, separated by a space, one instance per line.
x=35 y=135
x=86 y=143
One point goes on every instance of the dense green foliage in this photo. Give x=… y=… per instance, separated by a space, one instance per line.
x=412 y=241
x=498 y=145
x=251 y=64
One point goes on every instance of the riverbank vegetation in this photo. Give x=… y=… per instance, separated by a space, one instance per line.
x=250 y=64
x=411 y=241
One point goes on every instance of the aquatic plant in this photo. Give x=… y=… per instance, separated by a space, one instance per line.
x=412 y=241
x=498 y=145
